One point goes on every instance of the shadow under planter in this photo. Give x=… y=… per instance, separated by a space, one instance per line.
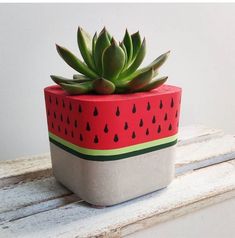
x=109 y=149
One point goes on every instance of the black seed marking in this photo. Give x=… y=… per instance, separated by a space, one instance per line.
x=81 y=137
x=68 y=121
x=52 y=125
x=141 y=123
x=117 y=112
x=106 y=130
x=75 y=124
x=170 y=127
x=48 y=113
x=133 y=135
x=50 y=99
x=176 y=114
x=161 y=104
x=172 y=102
x=125 y=126
x=72 y=134
x=159 y=129
x=148 y=106
x=165 y=117
x=147 y=132
x=96 y=140
x=54 y=115
x=70 y=107
x=56 y=101
x=88 y=128
x=95 y=113
x=134 y=109
x=65 y=131
x=115 y=139
x=154 y=120
x=59 y=128
x=63 y=104
x=61 y=117
x=80 y=108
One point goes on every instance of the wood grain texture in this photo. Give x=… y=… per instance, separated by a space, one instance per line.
x=197 y=133
x=186 y=193
x=201 y=154
x=24 y=169
x=34 y=167
x=29 y=193
x=35 y=205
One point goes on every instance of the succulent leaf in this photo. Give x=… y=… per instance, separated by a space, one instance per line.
x=125 y=52
x=101 y=44
x=58 y=80
x=137 y=62
x=155 y=83
x=85 y=46
x=113 y=61
x=129 y=47
x=141 y=80
x=74 y=62
x=159 y=61
x=136 y=42
x=94 y=39
x=103 y=86
x=79 y=88
x=109 y=67
x=80 y=77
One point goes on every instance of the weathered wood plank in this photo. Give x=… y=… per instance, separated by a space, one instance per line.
x=30 y=193
x=34 y=167
x=201 y=154
x=189 y=157
x=197 y=133
x=24 y=169
x=38 y=207
x=187 y=193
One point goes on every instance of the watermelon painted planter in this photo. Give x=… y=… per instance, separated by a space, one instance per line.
x=112 y=148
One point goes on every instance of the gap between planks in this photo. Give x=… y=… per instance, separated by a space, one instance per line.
x=187 y=193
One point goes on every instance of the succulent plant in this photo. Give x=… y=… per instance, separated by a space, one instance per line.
x=110 y=67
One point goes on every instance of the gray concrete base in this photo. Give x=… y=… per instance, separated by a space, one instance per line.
x=105 y=183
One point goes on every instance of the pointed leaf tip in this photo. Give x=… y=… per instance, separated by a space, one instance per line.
x=113 y=61
x=74 y=62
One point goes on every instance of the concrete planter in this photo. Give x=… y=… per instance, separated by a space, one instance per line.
x=109 y=149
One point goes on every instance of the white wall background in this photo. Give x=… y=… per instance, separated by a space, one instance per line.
x=202 y=62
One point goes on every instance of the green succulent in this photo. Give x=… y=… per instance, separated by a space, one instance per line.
x=110 y=67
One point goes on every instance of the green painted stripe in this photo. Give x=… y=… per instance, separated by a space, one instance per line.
x=112 y=157
x=111 y=152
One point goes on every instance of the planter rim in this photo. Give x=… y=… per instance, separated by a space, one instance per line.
x=163 y=90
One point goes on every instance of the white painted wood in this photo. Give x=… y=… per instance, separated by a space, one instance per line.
x=23 y=169
x=197 y=133
x=25 y=194
x=32 y=167
x=38 y=207
x=31 y=199
x=201 y=154
x=187 y=193
x=16 y=197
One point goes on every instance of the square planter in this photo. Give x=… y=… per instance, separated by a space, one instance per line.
x=112 y=148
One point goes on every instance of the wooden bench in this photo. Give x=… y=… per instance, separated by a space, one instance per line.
x=33 y=204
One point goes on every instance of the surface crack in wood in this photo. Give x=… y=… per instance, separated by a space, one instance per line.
x=21 y=213
x=24 y=178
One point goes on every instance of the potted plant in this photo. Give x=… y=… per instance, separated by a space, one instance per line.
x=113 y=127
